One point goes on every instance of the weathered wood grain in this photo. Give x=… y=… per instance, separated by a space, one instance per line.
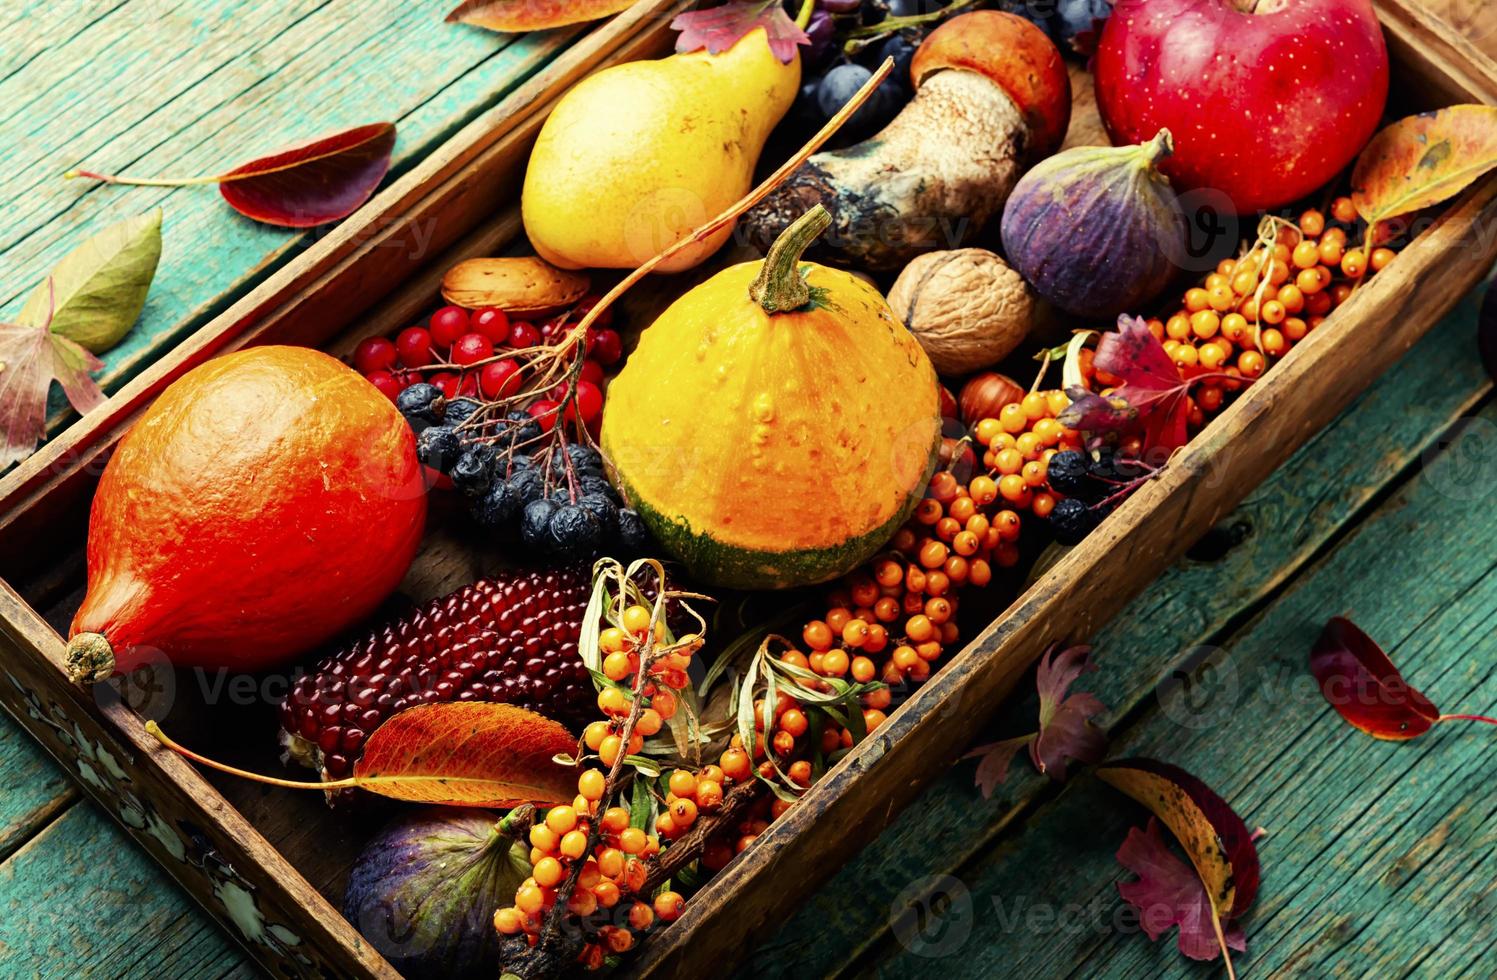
x=130 y=921
x=1275 y=531
x=1379 y=857
x=33 y=790
x=173 y=88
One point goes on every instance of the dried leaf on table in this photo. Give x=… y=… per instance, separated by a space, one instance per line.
x=1066 y=731
x=31 y=358
x=1169 y=893
x=1364 y=686
x=1218 y=843
x=95 y=294
x=1423 y=160
x=719 y=28
x=302 y=186
x=518 y=16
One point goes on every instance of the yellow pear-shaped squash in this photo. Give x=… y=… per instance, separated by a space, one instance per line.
x=634 y=157
x=777 y=423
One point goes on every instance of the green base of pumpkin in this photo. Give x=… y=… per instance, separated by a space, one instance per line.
x=711 y=562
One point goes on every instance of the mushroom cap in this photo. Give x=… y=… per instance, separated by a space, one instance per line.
x=966 y=306
x=1017 y=56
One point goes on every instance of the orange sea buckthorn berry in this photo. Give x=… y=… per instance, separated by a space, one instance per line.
x=943 y=486
x=1034 y=406
x=1185 y=356
x=863 y=669
x=1028 y=445
x=834 y=663
x=1177 y=327
x=986 y=429
x=573 y=844
x=919 y=628
x=591 y=784
x=1273 y=343
x=938 y=610
x=1306 y=255
x=543 y=838
x=1013 y=418
x=793 y=721
x=1196 y=299
x=928 y=511
x=1354 y=264
x=1210 y=356
x=817 y=635
x=1273 y=312
x=683 y=782
x=684 y=812
x=947 y=528
x=1381 y=257
x=636 y=619
x=1058 y=401
x=1008 y=461
x=1294 y=329
x=980 y=573
x=735 y=764
x=664 y=703
x=837 y=618
x=709 y=795
x=983 y=490
x=1331 y=251
x=593 y=735
x=1042 y=504
x=964 y=543
x=1250 y=363
x=886 y=610
x=933 y=553
x=1209 y=398
x=904 y=657
x=1343 y=210
x=1033 y=474
x=1312 y=223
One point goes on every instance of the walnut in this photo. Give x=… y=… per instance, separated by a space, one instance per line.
x=967 y=308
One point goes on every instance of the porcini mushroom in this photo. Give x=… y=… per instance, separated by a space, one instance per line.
x=992 y=95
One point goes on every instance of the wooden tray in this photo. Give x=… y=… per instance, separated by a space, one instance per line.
x=271 y=864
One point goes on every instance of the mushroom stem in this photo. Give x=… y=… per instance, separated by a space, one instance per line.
x=780 y=286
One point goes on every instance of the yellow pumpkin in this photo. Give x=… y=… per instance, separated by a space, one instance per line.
x=777 y=423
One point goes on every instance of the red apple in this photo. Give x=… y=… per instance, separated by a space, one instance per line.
x=1267 y=101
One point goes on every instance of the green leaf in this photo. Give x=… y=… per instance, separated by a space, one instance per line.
x=641 y=806
x=100 y=287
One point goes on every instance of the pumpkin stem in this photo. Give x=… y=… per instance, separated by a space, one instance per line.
x=780 y=287
x=90 y=658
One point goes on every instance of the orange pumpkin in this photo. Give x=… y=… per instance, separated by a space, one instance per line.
x=266 y=501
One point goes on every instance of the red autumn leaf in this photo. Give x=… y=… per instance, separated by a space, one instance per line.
x=1066 y=731
x=1364 y=687
x=1153 y=387
x=994 y=760
x=302 y=186
x=1214 y=837
x=719 y=28
x=468 y=753
x=31 y=358
x=517 y=16
x=1169 y=893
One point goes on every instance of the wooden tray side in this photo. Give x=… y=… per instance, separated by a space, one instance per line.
x=173 y=813
x=1446 y=47
x=461 y=187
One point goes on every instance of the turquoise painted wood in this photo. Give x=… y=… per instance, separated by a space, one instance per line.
x=187 y=87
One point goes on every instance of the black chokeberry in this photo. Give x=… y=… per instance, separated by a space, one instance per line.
x=439 y=447
x=526 y=485
x=473 y=473
x=497 y=508
x=535 y=524
x=605 y=509
x=460 y=410
x=1068 y=474
x=573 y=532
x=421 y=404
x=1072 y=519
x=633 y=534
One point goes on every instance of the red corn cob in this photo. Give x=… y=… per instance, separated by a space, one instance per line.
x=511 y=639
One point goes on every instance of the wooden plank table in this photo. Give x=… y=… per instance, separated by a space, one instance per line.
x=1379 y=859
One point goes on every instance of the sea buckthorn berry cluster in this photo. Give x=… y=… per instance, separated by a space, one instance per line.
x=1019 y=445
x=609 y=897
x=1253 y=309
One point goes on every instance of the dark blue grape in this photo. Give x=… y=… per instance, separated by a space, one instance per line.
x=1068 y=474
x=842 y=83
x=1076 y=23
x=902 y=51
